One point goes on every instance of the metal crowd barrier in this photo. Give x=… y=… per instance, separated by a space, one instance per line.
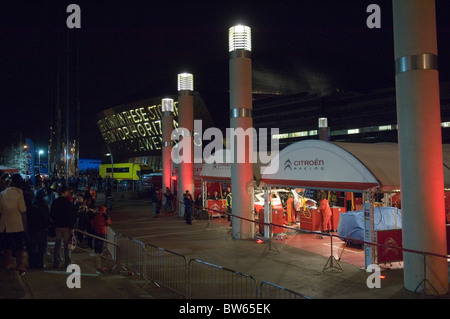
x=208 y=281
x=195 y=279
x=132 y=253
x=111 y=246
x=269 y=290
x=166 y=268
x=332 y=262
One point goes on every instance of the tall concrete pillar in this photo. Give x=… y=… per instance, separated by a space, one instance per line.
x=186 y=122
x=420 y=145
x=241 y=121
x=167 y=128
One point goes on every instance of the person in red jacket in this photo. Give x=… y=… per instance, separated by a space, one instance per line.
x=100 y=224
x=325 y=209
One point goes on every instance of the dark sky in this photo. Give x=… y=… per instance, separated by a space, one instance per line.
x=125 y=46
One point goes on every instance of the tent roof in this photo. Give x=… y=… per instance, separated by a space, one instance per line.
x=220 y=169
x=343 y=166
x=7 y=169
x=328 y=165
x=319 y=164
x=381 y=159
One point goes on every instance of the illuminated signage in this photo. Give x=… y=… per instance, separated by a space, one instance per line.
x=134 y=128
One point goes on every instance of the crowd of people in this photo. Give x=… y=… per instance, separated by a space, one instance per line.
x=31 y=213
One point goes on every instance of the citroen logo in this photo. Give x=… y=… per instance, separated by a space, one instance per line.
x=288 y=164
x=390 y=242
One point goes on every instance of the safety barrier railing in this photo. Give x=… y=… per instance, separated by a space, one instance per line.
x=269 y=290
x=112 y=247
x=166 y=268
x=332 y=262
x=208 y=281
x=195 y=279
x=132 y=253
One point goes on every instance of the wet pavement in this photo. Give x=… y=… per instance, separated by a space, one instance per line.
x=294 y=262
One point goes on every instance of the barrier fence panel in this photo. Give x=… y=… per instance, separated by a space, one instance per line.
x=110 y=236
x=131 y=253
x=208 y=281
x=166 y=268
x=268 y=290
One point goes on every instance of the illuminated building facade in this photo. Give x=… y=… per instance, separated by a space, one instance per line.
x=133 y=131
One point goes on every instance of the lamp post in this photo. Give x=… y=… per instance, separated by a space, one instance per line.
x=39 y=161
x=111 y=157
x=167 y=128
x=240 y=72
x=186 y=122
x=323 y=129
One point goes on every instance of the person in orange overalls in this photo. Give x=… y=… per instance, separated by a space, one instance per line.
x=290 y=211
x=325 y=209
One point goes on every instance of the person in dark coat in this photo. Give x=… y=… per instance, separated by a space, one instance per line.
x=64 y=218
x=38 y=223
x=188 y=203
x=155 y=202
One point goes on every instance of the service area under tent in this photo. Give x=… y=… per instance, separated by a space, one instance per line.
x=367 y=168
x=217 y=169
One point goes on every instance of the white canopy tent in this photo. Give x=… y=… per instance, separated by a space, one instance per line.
x=354 y=167
x=6 y=169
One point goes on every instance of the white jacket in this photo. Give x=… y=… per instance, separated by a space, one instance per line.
x=12 y=205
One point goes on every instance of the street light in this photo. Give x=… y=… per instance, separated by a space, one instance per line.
x=239 y=38
x=39 y=162
x=167 y=105
x=185 y=82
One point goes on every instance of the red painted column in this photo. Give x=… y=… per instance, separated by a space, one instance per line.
x=167 y=128
x=186 y=121
x=420 y=145
x=240 y=70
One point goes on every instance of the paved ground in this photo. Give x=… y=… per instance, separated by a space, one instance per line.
x=285 y=265
x=282 y=264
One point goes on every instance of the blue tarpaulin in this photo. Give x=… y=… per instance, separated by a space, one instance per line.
x=351 y=224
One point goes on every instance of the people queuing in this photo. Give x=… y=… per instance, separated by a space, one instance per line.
x=31 y=214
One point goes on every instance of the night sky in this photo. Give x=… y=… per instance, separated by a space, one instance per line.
x=127 y=46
